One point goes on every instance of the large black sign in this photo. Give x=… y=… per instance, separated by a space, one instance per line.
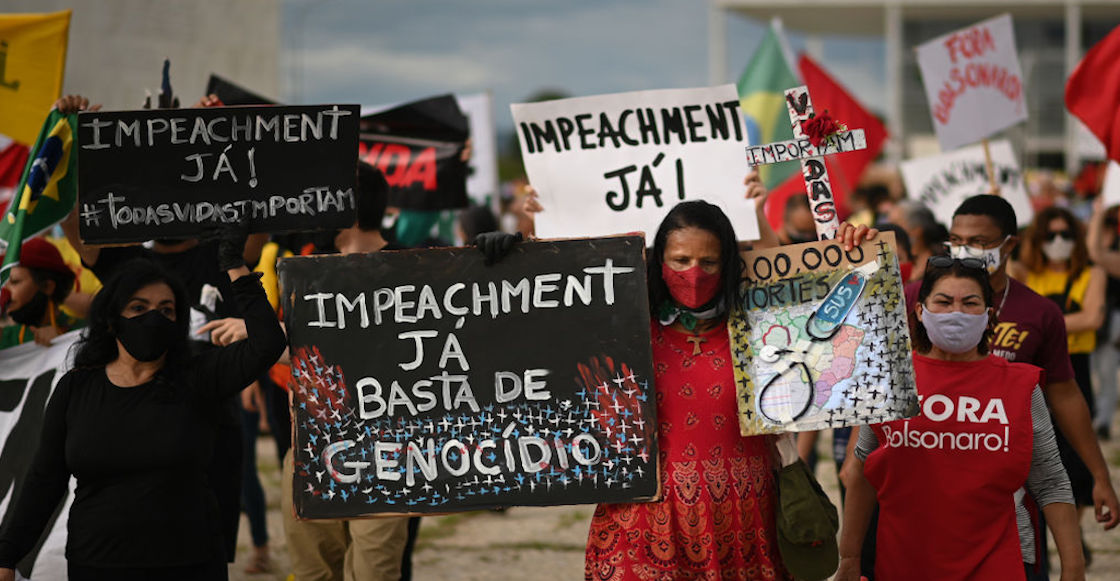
x=419 y=147
x=174 y=173
x=425 y=381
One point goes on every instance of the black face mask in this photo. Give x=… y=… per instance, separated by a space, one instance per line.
x=146 y=337
x=32 y=313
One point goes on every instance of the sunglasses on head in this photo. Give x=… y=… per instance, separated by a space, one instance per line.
x=1068 y=235
x=947 y=261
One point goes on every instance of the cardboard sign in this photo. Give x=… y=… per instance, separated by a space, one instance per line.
x=942 y=182
x=428 y=382
x=618 y=163
x=176 y=173
x=29 y=374
x=822 y=339
x=417 y=146
x=973 y=82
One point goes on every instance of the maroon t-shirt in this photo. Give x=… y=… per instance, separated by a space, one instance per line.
x=1031 y=329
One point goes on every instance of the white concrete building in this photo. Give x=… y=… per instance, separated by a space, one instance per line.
x=1052 y=35
x=117 y=47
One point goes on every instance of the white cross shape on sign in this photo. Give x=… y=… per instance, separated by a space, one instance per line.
x=817 y=185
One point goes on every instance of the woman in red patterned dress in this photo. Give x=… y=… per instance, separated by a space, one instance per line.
x=716 y=517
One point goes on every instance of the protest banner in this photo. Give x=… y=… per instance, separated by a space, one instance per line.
x=231 y=94
x=618 y=163
x=176 y=173
x=973 y=82
x=28 y=376
x=942 y=182
x=822 y=339
x=418 y=146
x=426 y=382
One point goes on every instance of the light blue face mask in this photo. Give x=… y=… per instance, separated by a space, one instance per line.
x=955 y=332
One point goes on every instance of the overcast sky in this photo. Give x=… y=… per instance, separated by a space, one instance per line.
x=385 y=51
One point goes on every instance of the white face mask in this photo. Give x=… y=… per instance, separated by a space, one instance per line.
x=991 y=257
x=955 y=332
x=1059 y=249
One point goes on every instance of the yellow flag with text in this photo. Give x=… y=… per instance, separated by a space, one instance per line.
x=32 y=62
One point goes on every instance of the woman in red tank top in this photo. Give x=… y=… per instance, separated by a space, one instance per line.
x=946 y=479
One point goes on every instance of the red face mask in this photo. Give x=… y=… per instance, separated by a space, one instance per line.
x=5 y=298
x=693 y=287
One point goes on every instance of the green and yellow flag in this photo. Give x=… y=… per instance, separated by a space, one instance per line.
x=762 y=99
x=47 y=191
x=32 y=62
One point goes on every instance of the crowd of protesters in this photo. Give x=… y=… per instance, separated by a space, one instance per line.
x=166 y=345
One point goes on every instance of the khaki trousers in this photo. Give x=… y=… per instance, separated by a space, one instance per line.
x=341 y=550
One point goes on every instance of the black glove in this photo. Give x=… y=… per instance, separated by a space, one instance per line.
x=231 y=239
x=496 y=245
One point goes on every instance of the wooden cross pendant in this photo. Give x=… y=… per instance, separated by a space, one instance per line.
x=696 y=340
x=817 y=186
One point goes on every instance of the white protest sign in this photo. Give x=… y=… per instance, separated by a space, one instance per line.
x=973 y=82
x=1110 y=189
x=618 y=163
x=942 y=182
x=482 y=182
x=28 y=376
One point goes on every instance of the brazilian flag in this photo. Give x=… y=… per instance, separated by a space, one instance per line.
x=762 y=100
x=47 y=190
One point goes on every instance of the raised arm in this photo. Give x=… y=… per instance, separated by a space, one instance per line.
x=757 y=191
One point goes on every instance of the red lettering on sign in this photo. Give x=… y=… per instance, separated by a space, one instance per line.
x=396 y=162
x=975 y=75
x=970 y=43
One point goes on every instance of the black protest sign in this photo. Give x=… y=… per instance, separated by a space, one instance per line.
x=424 y=381
x=418 y=146
x=176 y=173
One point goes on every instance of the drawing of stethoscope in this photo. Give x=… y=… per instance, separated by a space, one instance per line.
x=823 y=324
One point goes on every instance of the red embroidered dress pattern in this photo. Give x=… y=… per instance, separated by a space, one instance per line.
x=716 y=517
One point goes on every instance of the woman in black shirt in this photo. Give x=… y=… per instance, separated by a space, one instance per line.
x=134 y=423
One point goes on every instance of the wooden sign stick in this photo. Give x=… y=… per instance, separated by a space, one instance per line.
x=990 y=168
x=817 y=185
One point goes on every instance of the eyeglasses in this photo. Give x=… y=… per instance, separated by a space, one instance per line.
x=1050 y=236
x=947 y=261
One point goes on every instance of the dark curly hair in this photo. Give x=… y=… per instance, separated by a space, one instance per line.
x=705 y=216
x=98 y=346
x=956 y=269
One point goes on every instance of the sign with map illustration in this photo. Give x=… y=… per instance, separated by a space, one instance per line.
x=822 y=339
x=425 y=381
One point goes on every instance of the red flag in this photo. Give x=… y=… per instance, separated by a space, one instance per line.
x=13 y=158
x=1093 y=92
x=844 y=169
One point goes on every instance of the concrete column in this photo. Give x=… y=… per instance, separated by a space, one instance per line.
x=717 y=43
x=892 y=33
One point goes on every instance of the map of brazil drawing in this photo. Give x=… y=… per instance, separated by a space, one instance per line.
x=822 y=339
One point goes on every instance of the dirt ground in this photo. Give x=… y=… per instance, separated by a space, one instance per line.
x=547 y=543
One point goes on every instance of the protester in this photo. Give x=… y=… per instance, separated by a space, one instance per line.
x=1103 y=243
x=474 y=221
x=1055 y=264
x=798 y=225
x=359 y=549
x=927 y=235
x=946 y=510
x=1030 y=330
x=195 y=262
x=135 y=423
x=33 y=296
